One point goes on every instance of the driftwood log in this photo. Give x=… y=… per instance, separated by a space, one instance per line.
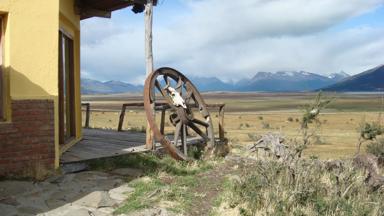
x=369 y=163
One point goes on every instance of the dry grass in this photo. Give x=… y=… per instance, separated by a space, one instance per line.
x=255 y=113
x=338 y=135
x=302 y=187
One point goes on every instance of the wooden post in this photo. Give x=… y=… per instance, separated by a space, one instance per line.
x=221 y=123
x=121 y=119
x=87 y=115
x=148 y=16
x=162 y=121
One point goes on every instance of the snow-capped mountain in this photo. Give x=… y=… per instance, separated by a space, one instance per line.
x=280 y=81
x=288 y=81
x=338 y=76
x=369 y=80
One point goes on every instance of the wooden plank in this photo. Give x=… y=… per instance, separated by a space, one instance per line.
x=89 y=152
x=99 y=143
x=110 y=151
x=127 y=135
x=81 y=155
x=137 y=139
x=148 y=16
x=84 y=154
x=116 y=141
x=109 y=134
x=133 y=141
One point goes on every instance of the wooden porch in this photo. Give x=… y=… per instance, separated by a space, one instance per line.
x=99 y=143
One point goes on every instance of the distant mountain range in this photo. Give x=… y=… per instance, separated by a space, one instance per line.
x=370 y=80
x=288 y=81
x=89 y=86
x=271 y=82
x=281 y=81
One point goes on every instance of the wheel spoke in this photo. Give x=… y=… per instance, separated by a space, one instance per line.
x=179 y=86
x=184 y=138
x=177 y=133
x=166 y=80
x=158 y=86
x=198 y=131
x=188 y=96
x=165 y=95
x=202 y=123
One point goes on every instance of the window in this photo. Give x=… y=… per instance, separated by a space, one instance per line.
x=2 y=88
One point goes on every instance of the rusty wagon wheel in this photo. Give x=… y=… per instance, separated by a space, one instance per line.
x=188 y=112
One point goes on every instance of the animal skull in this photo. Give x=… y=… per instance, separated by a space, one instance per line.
x=176 y=98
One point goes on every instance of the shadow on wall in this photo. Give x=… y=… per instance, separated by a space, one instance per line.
x=22 y=86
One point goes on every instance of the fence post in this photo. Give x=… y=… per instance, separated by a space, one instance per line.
x=221 y=123
x=121 y=119
x=87 y=115
x=162 y=121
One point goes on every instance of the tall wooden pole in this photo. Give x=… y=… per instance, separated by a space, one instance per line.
x=148 y=59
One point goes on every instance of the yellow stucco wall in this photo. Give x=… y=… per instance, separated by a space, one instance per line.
x=32 y=48
x=31 y=52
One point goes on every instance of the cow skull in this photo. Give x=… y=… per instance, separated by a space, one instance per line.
x=176 y=97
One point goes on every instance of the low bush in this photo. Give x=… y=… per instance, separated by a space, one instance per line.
x=304 y=187
x=377 y=148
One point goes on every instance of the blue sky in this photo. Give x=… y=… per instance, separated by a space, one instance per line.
x=374 y=18
x=236 y=40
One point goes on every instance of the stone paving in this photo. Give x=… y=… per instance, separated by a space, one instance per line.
x=89 y=193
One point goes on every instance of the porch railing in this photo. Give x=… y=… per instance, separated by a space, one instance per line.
x=159 y=107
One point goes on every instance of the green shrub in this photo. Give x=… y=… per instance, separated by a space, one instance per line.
x=370 y=131
x=377 y=148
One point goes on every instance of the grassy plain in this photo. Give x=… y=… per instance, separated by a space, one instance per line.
x=260 y=113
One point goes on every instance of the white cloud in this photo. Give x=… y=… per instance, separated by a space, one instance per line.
x=233 y=39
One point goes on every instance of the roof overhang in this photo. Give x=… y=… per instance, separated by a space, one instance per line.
x=104 y=8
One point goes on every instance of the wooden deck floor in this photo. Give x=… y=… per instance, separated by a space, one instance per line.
x=98 y=143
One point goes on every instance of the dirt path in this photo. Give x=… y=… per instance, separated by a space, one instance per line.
x=211 y=184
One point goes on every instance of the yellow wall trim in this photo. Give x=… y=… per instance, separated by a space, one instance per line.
x=67 y=146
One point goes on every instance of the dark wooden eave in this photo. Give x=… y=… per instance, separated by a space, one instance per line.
x=103 y=8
